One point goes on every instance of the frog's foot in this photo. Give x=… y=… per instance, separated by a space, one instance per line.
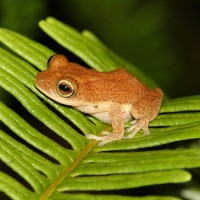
x=109 y=137
x=140 y=124
x=95 y=137
x=105 y=134
x=104 y=141
x=133 y=125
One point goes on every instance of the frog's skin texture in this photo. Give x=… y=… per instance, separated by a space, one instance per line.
x=112 y=97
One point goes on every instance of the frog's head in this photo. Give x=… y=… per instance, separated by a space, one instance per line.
x=60 y=81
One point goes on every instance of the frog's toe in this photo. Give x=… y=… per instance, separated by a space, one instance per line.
x=146 y=131
x=101 y=143
x=133 y=125
x=105 y=133
x=105 y=141
x=94 y=137
x=129 y=129
x=131 y=135
x=133 y=122
x=140 y=125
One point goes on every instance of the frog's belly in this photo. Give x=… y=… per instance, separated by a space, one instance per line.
x=99 y=111
x=105 y=117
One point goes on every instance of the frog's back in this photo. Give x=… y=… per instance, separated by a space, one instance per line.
x=114 y=87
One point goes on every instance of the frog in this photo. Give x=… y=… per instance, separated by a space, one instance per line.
x=114 y=97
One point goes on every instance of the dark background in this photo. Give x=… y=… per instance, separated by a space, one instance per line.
x=161 y=37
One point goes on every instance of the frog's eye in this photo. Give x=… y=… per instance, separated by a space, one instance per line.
x=65 y=88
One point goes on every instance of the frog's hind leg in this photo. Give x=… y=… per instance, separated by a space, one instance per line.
x=144 y=111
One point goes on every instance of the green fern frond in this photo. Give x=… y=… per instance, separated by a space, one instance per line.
x=81 y=169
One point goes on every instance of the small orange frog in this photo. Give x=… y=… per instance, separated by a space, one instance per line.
x=112 y=97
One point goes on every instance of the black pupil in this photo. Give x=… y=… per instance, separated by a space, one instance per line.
x=65 y=88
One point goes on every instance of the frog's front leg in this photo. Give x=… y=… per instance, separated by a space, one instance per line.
x=117 y=122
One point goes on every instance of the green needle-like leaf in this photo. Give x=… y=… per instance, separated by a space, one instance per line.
x=107 y=197
x=191 y=103
x=112 y=182
x=15 y=190
x=119 y=163
x=33 y=52
x=33 y=137
x=74 y=167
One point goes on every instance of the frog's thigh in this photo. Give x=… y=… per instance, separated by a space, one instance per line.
x=144 y=111
x=147 y=107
